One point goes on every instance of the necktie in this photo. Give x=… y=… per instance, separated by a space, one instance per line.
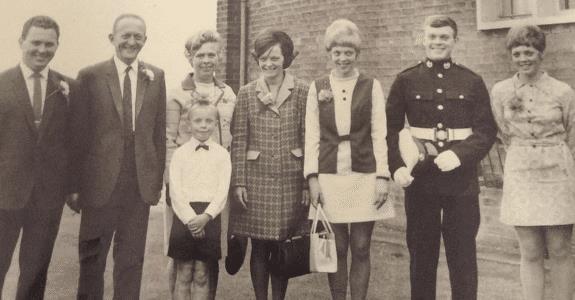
x=127 y=102
x=37 y=98
x=202 y=146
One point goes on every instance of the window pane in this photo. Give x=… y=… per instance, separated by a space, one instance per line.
x=511 y=8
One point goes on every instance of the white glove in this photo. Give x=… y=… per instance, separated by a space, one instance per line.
x=447 y=161
x=402 y=177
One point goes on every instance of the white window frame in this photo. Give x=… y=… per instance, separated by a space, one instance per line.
x=543 y=12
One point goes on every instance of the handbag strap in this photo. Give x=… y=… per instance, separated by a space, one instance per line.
x=319 y=213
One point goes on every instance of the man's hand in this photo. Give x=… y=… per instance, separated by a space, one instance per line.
x=197 y=224
x=403 y=177
x=241 y=196
x=447 y=161
x=199 y=235
x=315 y=194
x=72 y=200
x=381 y=192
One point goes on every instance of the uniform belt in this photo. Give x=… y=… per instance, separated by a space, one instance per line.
x=444 y=134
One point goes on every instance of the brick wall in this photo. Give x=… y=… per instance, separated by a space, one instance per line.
x=392 y=32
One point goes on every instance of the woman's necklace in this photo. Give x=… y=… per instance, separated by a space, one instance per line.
x=278 y=90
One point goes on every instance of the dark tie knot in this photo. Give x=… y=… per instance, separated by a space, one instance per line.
x=36 y=75
x=202 y=146
x=128 y=69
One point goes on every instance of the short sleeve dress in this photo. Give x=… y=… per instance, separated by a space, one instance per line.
x=348 y=195
x=536 y=126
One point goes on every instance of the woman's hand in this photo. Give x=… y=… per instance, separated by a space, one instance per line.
x=305 y=197
x=381 y=192
x=241 y=195
x=315 y=193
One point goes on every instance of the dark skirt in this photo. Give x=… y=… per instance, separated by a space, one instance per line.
x=184 y=247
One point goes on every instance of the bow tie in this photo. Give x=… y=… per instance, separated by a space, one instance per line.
x=202 y=146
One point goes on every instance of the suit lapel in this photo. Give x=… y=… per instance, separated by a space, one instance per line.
x=114 y=85
x=141 y=88
x=21 y=92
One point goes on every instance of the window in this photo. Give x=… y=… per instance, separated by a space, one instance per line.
x=492 y=14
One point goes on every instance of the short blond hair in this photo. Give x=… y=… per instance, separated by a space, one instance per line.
x=342 y=32
x=195 y=42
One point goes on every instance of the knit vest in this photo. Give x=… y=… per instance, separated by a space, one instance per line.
x=362 y=157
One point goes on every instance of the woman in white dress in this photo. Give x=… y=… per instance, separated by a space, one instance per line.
x=535 y=114
x=346 y=157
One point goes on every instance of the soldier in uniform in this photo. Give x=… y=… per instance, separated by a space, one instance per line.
x=447 y=107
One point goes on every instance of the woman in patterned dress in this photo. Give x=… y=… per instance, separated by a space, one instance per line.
x=535 y=114
x=202 y=51
x=346 y=157
x=267 y=158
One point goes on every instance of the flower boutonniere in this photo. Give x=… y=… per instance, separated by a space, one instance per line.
x=196 y=96
x=63 y=88
x=515 y=104
x=266 y=99
x=148 y=73
x=325 y=96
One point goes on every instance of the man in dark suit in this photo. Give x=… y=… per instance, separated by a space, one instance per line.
x=448 y=109
x=33 y=156
x=119 y=159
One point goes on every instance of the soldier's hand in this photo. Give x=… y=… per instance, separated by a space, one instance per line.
x=403 y=177
x=315 y=195
x=447 y=161
x=241 y=195
x=381 y=192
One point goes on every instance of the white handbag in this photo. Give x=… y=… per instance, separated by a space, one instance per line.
x=322 y=252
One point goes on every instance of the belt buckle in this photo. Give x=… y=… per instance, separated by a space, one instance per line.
x=440 y=134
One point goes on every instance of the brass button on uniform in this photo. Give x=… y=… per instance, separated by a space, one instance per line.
x=417 y=96
x=439 y=125
x=439 y=75
x=440 y=107
x=440 y=144
x=439 y=91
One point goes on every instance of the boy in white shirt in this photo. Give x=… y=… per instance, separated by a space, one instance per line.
x=200 y=173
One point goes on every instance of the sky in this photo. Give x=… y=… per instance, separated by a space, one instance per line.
x=85 y=25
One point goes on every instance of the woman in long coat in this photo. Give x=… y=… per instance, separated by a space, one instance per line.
x=267 y=159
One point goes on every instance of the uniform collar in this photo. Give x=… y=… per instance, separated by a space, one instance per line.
x=445 y=64
x=27 y=72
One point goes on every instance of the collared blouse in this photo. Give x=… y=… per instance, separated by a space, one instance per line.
x=537 y=113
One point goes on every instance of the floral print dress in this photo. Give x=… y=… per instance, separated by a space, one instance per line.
x=536 y=126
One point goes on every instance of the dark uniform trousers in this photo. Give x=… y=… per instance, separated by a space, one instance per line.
x=456 y=218
x=39 y=225
x=125 y=219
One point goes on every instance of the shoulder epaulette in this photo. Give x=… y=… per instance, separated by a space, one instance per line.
x=412 y=67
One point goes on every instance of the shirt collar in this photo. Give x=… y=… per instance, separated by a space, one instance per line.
x=194 y=142
x=519 y=84
x=444 y=64
x=27 y=72
x=121 y=66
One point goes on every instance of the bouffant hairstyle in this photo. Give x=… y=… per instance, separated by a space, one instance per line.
x=269 y=38
x=437 y=21
x=526 y=35
x=195 y=42
x=44 y=22
x=342 y=32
